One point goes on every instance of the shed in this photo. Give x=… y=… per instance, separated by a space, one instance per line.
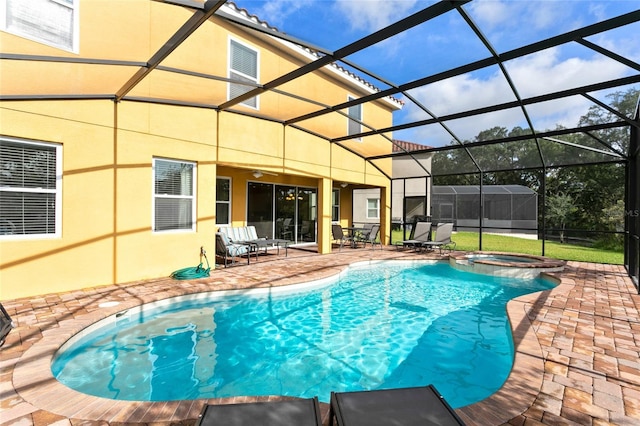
x=506 y=208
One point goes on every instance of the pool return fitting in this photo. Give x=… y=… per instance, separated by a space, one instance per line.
x=194 y=271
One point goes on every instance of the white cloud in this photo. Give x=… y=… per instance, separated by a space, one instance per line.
x=547 y=71
x=598 y=10
x=463 y=93
x=372 y=15
x=623 y=41
x=491 y=14
x=505 y=22
x=276 y=12
x=523 y=15
x=544 y=72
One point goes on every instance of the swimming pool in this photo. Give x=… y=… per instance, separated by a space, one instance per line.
x=391 y=325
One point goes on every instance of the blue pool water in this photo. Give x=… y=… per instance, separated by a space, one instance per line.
x=383 y=326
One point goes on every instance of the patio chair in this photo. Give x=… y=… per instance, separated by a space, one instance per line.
x=340 y=236
x=307 y=231
x=229 y=251
x=295 y=412
x=366 y=229
x=405 y=406
x=287 y=232
x=421 y=234
x=442 y=240
x=371 y=236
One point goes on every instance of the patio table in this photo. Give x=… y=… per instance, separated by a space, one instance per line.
x=355 y=232
x=264 y=243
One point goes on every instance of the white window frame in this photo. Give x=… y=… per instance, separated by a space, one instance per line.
x=227 y=202
x=353 y=117
x=57 y=191
x=191 y=197
x=376 y=208
x=335 y=191
x=231 y=71
x=42 y=15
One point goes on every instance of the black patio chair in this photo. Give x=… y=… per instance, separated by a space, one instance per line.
x=371 y=237
x=339 y=235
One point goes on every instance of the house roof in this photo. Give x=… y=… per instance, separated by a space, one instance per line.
x=403 y=146
x=310 y=52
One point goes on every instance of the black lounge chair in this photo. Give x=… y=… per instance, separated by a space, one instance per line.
x=422 y=406
x=295 y=412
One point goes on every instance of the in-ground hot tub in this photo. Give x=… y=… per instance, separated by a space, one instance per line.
x=505 y=264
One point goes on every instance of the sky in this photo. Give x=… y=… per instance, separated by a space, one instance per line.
x=447 y=42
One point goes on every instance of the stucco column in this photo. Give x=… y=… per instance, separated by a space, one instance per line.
x=325 y=187
x=385 y=214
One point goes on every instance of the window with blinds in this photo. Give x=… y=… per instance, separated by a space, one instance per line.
x=30 y=189
x=243 y=68
x=174 y=200
x=52 y=22
x=355 y=117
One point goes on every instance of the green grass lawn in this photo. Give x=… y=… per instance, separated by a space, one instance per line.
x=468 y=241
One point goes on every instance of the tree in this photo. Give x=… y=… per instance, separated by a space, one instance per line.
x=613 y=217
x=623 y=102
x=560 y=207
x=501 y=163
x=594 y=187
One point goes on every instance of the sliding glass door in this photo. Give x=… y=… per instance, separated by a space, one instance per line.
x=260 y=208
x=306 y=219
x=282 y=211
x=285 y=213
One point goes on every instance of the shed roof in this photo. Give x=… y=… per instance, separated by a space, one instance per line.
x=486 y=189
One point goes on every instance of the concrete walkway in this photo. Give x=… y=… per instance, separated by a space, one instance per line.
x=576 y=363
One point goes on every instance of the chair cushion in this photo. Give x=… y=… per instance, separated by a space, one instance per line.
x=229 y=246
x=226 y=231
x=251 y=233
x=242 y=234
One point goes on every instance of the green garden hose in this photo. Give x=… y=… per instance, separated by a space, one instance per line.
x=193 y=272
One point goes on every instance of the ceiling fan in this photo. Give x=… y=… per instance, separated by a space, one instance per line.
x=259 y=173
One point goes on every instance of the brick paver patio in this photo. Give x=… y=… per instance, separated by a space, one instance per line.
x=576 y=363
